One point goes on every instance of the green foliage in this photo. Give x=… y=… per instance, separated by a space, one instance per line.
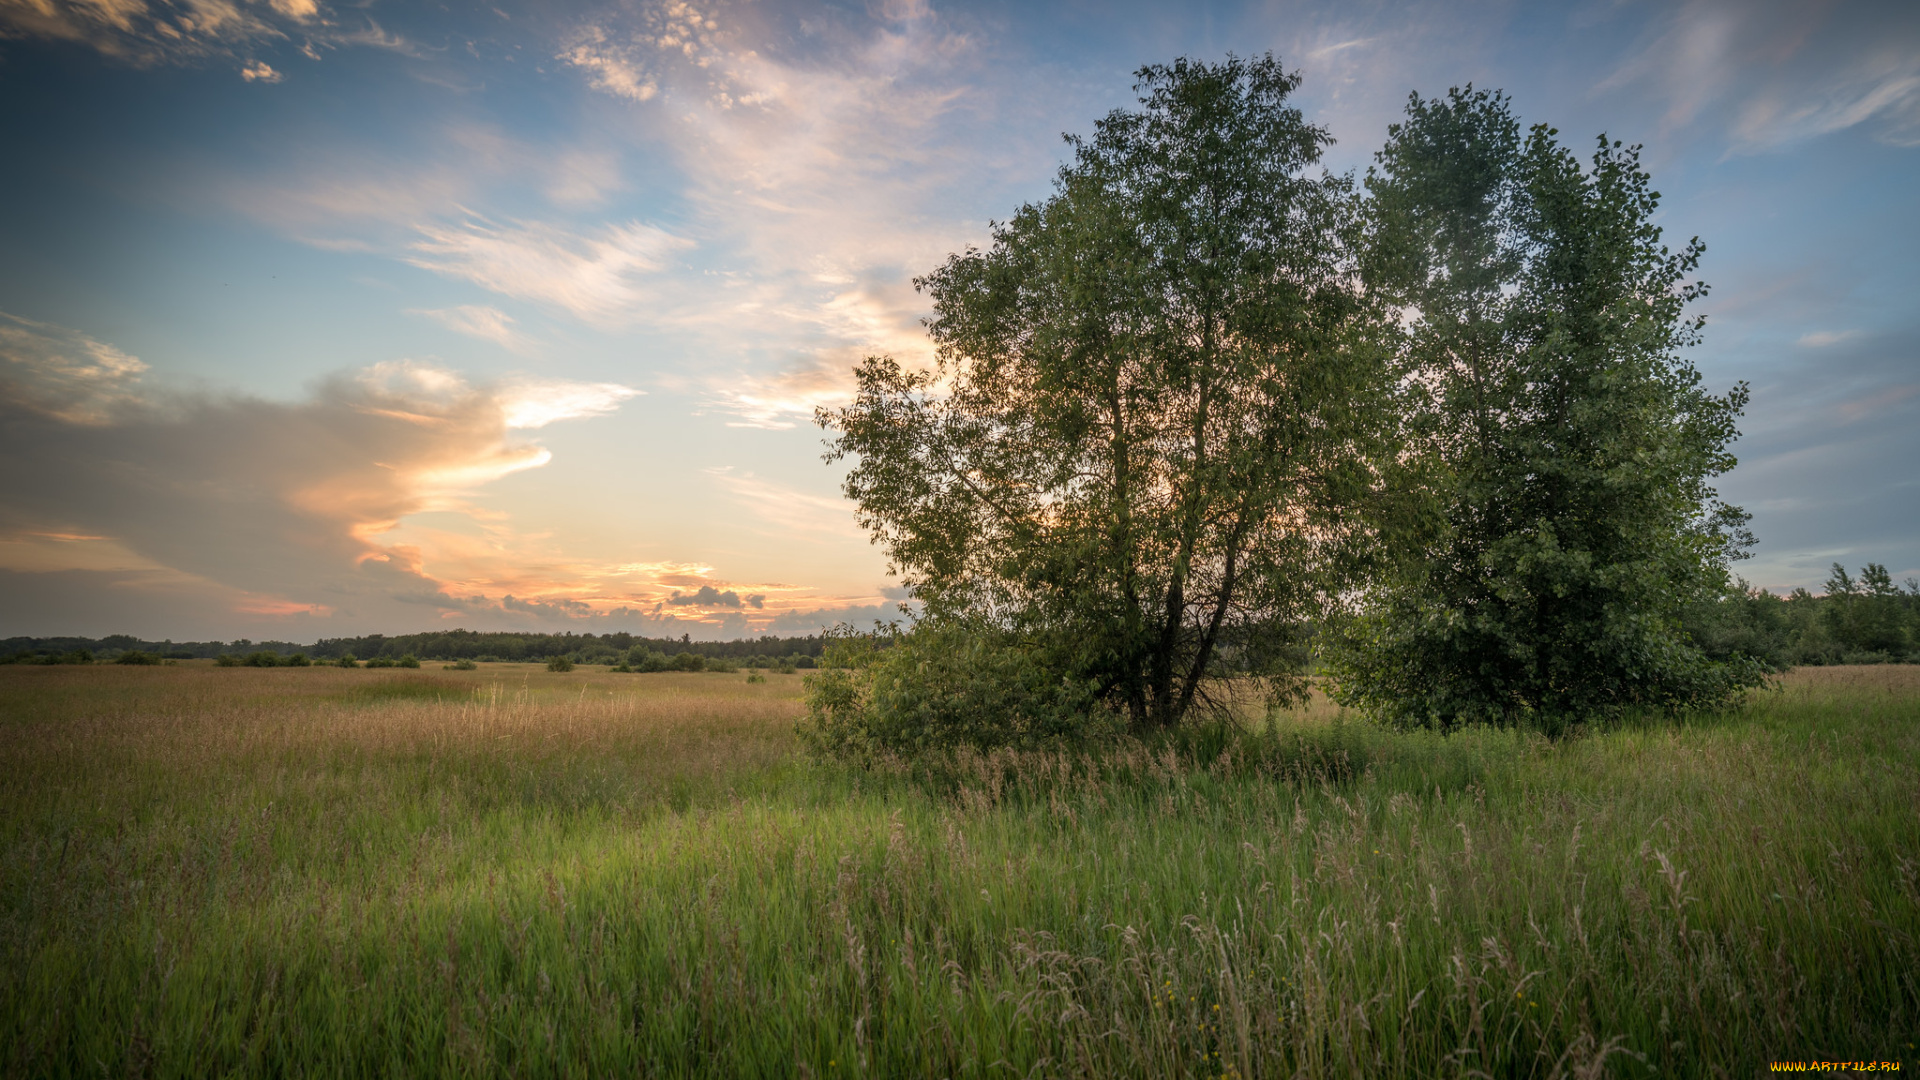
x=300 y=660
x=135 y=656
x=945 y=684
x=1869 y=615
x=381 y=662
x=409 y=661
x=463 y=664
x=227 y=660
x=347 y=661
x=1151 y=425
x=1564 y=446
x=559 y=663
x=71 y=656
x=642 y=658
x=435 y=883
x=687 y=661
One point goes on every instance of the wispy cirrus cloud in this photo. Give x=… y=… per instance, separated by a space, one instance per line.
x=821 y=182
x=1776 y=73
x=481 y=321
x=785 y=399
x=788 y=511
x=1820 y=339
x=600 y=277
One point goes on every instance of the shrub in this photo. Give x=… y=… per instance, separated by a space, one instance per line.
x=559 y=663
x=462 y=664
x=347 y=661
x=135 y=656
x=227 y=660
x=687 y=661
x=944 y=685
x=720 y=663
x=383 y=661
x=408 y=661
x=76 y=656
x=643 y=659
x=298 y=659
x=755 y=676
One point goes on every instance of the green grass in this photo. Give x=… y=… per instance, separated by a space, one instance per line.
x=291 y=871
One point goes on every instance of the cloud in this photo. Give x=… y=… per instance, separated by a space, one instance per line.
x=260 y=71
x=789 y=512
x=788 y=398
x=610 y=69
x=814 y=620
x=62 y=373
x=598 y=278
x=708 y=597
x=1777 y=73
x=1883 y=91
x=535 y=403
x=583 y=179
x=283 y=505
x=1820 y=339
x=358 y=507
x=1826 y=459
x=481 y=321
x=817 y=182
x=181 y=31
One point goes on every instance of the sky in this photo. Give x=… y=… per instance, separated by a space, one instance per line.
x=323 y=318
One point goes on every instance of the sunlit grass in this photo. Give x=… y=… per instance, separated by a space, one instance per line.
x=509 y=871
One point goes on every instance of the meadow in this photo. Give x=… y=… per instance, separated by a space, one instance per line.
x=317 y=871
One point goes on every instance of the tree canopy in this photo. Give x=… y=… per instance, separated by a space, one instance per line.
x=1570 y=447
x=1207 y=400
x=1153 y=421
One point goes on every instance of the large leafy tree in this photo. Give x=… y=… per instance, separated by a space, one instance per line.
x=1570 y=446
x=1155 y=403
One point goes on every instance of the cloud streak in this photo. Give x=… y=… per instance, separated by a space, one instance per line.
x=62 y=373
x=1778 y=73
x=600 y=277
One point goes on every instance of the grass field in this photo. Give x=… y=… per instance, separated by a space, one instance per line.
x=319 y=871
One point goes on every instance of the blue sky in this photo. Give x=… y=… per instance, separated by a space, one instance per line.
x=322 y=318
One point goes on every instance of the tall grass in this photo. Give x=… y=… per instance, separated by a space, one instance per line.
x=351 y=872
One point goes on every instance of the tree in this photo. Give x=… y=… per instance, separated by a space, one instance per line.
x=1157 y=396
x=1866 y=615
x=1569 y=448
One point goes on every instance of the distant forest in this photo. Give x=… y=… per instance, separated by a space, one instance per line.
x=481 y=647
x=1858 y=620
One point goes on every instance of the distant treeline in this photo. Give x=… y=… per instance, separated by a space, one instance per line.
x=1863 y=620
x=1859 y=620
x=437 y=645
